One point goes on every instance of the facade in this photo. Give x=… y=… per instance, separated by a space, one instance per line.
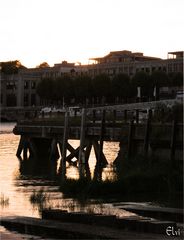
x=130 y=63
x=19 y=90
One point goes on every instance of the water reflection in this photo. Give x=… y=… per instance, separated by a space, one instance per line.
x=47 y=201
x=17 y=181
x=4 y=201
x=48 y=166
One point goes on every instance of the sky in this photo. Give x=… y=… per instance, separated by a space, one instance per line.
x=36 y=31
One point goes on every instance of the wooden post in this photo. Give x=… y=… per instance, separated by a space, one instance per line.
x=150 y=114
x=94 y=115
x=114 y=116
x=131 y=125
x=87 y=170
x=125 y=115
x=60 y=147
x=20 y=147
x=53 y=150
x=96 y=146
x=88 y=151
x=82 y=140
x=172 y=144
x=25 y=149
x=146 y=137
x=137 y=115
x=147 y=133
x=102 y=131
x=64 y=149
x=32 y=147
x=54 y=155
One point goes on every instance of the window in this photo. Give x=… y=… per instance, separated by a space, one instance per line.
x=33 y=99
x=170 y=68
x=33 y=85
x=175 y=67
x=26 y=85
x=10 y=85
x=11 y=100
x=26 y=99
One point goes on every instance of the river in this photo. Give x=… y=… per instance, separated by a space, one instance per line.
x=16 y=191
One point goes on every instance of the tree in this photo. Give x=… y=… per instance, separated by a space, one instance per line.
x=82 y=88
x=11 y=67
x=143 y=80
x=101 y=86
x=45 y=89
x=43 y=65
x=159 y=79
x=63 y=89
x=176 y=79
x=121 y=86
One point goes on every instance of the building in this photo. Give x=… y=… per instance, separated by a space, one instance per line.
x=20 y=89
x=130 y=63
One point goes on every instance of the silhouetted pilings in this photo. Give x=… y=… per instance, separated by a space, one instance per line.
x=47 y=141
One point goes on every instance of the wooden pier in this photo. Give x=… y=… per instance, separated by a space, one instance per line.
x=44 y=140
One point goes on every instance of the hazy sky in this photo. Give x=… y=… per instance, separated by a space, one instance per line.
x=34 y=31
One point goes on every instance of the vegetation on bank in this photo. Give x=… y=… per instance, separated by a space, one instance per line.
x=4 y=201
x=141 y=175
x=39 y=196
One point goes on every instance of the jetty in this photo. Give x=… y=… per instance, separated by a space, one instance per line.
x=45 y=140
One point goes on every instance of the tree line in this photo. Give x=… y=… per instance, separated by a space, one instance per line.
x=104 y=89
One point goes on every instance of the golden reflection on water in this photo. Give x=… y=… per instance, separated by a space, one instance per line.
x=18 y=191
x=9 y=165
x=110 y=150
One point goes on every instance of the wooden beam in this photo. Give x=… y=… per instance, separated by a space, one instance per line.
x=74 y=153
x=20 y=146
x=96 y=146
x=88 y=151
x=69 y=147
x=131 y=125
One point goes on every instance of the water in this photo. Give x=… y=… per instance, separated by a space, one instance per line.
x=15 y=192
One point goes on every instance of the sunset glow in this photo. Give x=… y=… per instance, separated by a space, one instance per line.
x=34 y=31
